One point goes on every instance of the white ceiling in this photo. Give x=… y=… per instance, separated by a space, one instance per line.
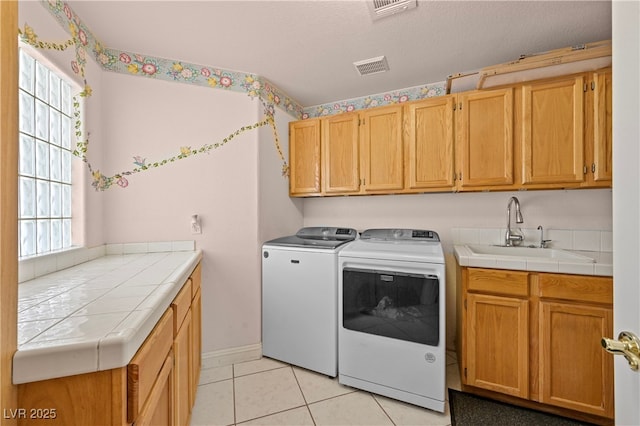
x=307 y=47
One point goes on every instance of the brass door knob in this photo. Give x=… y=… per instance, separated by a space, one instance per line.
x=627 y=345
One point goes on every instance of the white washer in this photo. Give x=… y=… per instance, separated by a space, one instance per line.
x=391 y=314
x=299 y=297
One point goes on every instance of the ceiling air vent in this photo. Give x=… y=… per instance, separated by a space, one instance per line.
x=382 y=8
x=372 y=66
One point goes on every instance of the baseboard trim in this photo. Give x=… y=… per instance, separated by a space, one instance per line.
x=231 y=355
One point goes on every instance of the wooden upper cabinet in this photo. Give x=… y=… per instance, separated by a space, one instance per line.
x=304 y=157
x=429 y=144
x=601 y=167
x=552 y=132
x=381 y=159
x=485 y=138
x=340 y=154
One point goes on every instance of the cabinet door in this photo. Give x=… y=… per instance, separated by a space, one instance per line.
x=575 y=372
x=429 y=143
x=382 y=151
x=304 y=157
x=497 y=340
x=182 y=373
x=158 y=410
x=143 y=369
x=340 y=154
x=485 y=138
x=602 y=131
x=552 y=132
x=196 y=345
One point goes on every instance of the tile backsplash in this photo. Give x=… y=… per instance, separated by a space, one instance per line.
x=37 y=266
x=568 y=239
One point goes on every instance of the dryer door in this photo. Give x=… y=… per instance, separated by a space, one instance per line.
x=392 y=304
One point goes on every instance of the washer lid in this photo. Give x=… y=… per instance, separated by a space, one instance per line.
x=317 y=237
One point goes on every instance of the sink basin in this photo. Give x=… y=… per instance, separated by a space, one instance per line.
x=528 y=252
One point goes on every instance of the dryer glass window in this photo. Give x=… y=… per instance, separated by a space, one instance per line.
x=390 y=304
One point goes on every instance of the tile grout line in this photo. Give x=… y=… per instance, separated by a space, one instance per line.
x=306 y=403
x=382 y=408
x=270 y=414
x=233 y=387
x=261 y=371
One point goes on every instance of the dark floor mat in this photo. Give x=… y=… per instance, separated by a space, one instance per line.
x=472 y=410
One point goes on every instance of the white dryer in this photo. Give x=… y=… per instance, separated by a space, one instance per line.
x=391 y=315
x=300 y=297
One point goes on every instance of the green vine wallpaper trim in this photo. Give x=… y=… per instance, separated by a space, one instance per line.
x=206 y=76
x=81 y=38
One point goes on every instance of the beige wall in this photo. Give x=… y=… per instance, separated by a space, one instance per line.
x=153 y=119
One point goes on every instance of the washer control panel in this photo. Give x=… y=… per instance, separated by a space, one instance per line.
x=327 y=233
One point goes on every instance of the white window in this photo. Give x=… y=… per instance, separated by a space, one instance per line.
x=46 y=129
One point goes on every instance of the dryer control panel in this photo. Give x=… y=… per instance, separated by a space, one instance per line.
x=391 y=234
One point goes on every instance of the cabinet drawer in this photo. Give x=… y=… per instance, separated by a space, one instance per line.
x=581 y=288
x=181 y=305
x=196 y=280
x=498 y=281
x=144 y=368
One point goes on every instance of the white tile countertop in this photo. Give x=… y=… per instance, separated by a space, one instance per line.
x=95 y=315
x=601 y=264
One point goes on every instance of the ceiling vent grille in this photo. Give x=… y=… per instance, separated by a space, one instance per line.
x=382 y=8
x=372 y=66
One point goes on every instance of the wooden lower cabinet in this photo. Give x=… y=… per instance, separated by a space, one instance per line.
x=533 y=339
x=182 y=373
x=158 y=409
x=157 y=387
x=497 y=344
x=145 y=367
x=575 y=313
x=195 y=345
x=86 y=399
x=569 y=347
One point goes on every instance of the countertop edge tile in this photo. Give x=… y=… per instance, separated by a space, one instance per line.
x=62 y=360
x=116 y=349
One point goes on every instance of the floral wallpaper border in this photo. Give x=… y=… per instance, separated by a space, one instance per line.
x=207 y=76
x=170 y=70
x=372 y=101
x=83 y=40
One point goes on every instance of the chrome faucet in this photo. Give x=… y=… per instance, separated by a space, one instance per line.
x=513 y=238
x=543 y=242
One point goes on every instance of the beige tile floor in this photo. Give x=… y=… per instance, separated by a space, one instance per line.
x=269 y=392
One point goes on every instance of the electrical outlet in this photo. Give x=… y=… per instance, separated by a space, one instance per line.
x=195 y=225
x=195 y=228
